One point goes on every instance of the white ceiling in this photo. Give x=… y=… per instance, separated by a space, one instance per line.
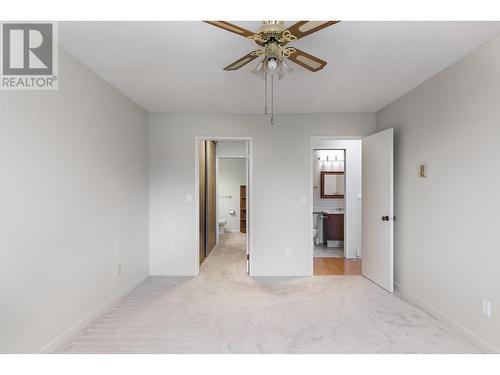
x=177 y=66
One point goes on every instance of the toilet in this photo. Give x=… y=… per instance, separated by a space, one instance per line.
x=315 y=227
x=222 y=223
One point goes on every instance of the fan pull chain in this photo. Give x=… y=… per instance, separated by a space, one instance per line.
x=267 y=100
x=272 y=99
x=265 y=90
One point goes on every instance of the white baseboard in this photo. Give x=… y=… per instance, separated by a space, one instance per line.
x=61 y=340
x=413 y=299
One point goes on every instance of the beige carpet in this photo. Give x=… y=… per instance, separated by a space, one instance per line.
x=225 y=311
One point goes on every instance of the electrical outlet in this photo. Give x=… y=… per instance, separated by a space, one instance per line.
x=119 y=268
x=486 y=308
x=288 y=252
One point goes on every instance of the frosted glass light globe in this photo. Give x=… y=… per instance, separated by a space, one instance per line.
x=272 y=64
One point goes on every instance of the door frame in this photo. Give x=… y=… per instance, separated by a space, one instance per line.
x=311 y=171
x=250 y=205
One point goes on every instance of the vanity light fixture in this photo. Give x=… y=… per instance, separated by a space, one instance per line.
x=329 y=160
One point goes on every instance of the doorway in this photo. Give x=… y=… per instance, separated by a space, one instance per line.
x=368 y=205
x=336 y=216
x=231 y=195
x=328 y=203
x=223 y=179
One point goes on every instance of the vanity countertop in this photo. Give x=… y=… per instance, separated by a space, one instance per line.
x=329 y=212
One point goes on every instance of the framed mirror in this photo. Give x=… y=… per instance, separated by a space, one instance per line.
x=332 y=185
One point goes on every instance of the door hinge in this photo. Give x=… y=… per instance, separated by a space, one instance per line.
x=248 y=256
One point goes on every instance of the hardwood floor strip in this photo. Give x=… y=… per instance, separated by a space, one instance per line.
x=337 y=266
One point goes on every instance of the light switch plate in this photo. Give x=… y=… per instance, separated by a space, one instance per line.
x=423 y=170
x=486 y=308
x=303 y=198
x=189 y=198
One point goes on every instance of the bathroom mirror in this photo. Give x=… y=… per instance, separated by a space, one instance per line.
x=332 y=185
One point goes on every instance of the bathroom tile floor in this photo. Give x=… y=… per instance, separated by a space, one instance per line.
x=327 y=252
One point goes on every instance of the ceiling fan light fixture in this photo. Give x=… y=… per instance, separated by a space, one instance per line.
x=272 y=64
x=272 y=38
x=285 y=70
x=259 y=70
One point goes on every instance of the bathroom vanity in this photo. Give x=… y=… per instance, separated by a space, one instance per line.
x=333 y=226
x=330 y=227
x=332 y=187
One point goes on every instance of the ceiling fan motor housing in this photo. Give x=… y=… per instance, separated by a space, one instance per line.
x=272 y=29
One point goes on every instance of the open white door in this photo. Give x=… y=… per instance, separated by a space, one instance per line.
x=378 y=215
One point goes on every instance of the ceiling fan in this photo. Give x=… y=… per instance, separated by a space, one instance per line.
x=273 y=38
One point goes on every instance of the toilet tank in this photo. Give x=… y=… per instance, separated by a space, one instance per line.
x=315 y=221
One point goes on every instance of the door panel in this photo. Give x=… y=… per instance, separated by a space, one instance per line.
x=202 y=192
x=377 y=233
x=210 y=196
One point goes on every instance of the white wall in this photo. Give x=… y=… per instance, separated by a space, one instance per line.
x=232 y=148
x=351 y=202
x=232 y=174
x=282 y=186
x=447 y=252
x=73 y=205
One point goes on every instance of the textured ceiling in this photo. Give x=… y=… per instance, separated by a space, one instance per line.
x=177 y=66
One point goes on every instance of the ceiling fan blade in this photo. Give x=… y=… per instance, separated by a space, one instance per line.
x=231 y=27
x=307 y=61
x=243 y=61
x=304 y=28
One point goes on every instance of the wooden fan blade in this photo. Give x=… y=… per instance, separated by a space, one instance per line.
x=307 y=61
x=231 y=27
x=242 y=62
x=304 y=28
